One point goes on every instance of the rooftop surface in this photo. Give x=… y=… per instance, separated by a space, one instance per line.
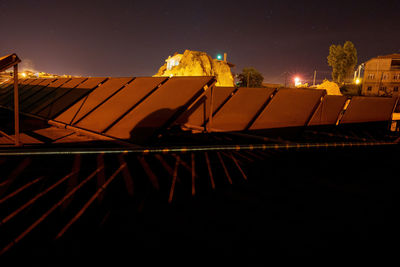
x=132 y=167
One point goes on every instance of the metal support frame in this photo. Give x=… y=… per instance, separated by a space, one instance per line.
x=6 y=62
x=208 y=129
x=209 y=170
x=16 y=106
x=314 y=110
x=228 y=176
x=193 y=174
x=173 y=183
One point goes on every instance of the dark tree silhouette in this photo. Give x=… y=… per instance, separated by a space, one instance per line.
x=250 y=77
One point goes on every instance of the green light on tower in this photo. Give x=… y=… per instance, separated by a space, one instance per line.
x=219 y=56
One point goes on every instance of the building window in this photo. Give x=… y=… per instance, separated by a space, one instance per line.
x=371 y=76
x=395 y=89
x=385 y=76
x=382 y=88
x=369 y=88
x=396 y=76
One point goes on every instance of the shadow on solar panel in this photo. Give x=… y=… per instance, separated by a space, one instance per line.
x=145 y=129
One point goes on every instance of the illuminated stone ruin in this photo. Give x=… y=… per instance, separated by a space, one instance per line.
x=195 y=63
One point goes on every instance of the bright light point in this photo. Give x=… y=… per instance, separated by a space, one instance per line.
x=358 y=81
x=297 y=81
x=219 y=57
x=23 y=74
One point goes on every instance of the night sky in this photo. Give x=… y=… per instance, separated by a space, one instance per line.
x=133 y=38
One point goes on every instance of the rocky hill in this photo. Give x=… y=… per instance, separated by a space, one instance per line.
x=195 y=63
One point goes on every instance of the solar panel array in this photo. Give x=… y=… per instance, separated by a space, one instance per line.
x=137 y=108
x=251 y=109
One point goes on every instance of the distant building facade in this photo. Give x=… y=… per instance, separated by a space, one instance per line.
x=382 y=76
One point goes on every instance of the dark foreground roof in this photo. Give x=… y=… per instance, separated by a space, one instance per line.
x=133 y=168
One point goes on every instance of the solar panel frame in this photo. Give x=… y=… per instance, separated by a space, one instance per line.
x=120 y=103
x=328 y=111
x=9 y=87
x=240 y=110
x=199 y=114
x=360 y=107
x=6 y=84
x=30 y=86
x=57 y=93
x=4 y=89
x=289 y=108
x=94 y=99
x=21 y=91
x=70 y=97
x=9 y=61
x=158 y=111
x=29 y=104
x=34 y=89
x=9 y=96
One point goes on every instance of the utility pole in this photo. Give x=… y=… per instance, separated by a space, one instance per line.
x=248 y=79
x=315 y=75
x=286 y=79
